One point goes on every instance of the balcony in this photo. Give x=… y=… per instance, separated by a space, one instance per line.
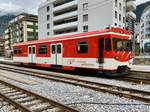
x=64 y=34
x=67 y=15
x=131 y=6
x=131 y=15
x=66 y=5
x=66 y=25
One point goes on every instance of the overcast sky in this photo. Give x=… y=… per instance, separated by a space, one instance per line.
x=29 y=6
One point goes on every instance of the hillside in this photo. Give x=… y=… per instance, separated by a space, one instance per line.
x=140 y=8
x=4 y=21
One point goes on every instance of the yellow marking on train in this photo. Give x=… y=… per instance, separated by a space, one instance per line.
x=13 y=76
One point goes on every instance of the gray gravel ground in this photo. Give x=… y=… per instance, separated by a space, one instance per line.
x=84 y=100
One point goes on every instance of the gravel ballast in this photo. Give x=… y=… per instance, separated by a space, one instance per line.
x=84 y=100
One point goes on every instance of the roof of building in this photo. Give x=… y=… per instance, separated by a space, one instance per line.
x=24 y=17
x=80 y=35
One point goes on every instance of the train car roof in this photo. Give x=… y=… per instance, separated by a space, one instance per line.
x=115 y=31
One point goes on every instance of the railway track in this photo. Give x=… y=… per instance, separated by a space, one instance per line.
x=135 y=94
x=133 y=79
x=141 y=78
x=26 y=101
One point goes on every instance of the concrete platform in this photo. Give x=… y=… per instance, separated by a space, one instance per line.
x=141 y=68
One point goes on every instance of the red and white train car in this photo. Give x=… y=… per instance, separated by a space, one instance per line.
x=107 y=51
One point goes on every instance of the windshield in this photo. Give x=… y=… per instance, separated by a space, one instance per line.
x=121 y=44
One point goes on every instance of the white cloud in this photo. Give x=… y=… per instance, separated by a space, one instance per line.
x=9 y=7
x=141 y=1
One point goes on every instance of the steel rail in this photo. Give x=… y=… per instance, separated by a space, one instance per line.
x=113 y=89
x=14 y=103
x=139 y=80
x=51 y=103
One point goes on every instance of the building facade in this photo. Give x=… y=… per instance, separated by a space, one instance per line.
x=145 y=30
x=130 y=15
x=63 y=17
x=22 y=28
x=2 y=43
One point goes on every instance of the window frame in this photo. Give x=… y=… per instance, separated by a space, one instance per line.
x=48 y=17
x=80 y=50
x=59 y=49
x=108 y=47
x=43 y=48
x=17 y=51
x=85 y=28
x=85 y=17
x=53 y=51
x=85 y=6
x=48 y=8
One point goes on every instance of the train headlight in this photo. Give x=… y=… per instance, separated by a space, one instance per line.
x=116 y=57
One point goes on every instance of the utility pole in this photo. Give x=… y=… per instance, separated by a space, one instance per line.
x=133 y=46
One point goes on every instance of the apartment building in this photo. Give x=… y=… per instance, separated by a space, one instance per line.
x=130 y=15
x=145 y=28
x=2 y=41
x=22 y=28
x=64 y=17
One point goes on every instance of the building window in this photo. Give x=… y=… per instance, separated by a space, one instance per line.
x=124 y=10
x=85 y=28
x=42 y=49
x=48 y=8
x=123 y=19
x=48 y=17
x=85 y=17
x=82 y=47
x=85 y=6
x=48 y=33
x=120 y=6
x=119 y=17
x=48 y=26
x=116 y=2
x=115 y=24
x=116 y=14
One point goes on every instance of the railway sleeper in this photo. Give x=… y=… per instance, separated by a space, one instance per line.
x=13 y=93
x=2 y=87
x=19 y=97
x=9 y=92
x=32 y=103
x=54 y=110
x=27 y=99
x=41 y=107
x=7 y=89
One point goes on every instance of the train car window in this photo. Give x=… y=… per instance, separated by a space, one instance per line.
x=59 y=49
x=15 y=51
x=18 y=51
x=82 y=47
x=42 y=49
x=53 y=49
x=121 y=44
x=108 y=44
x=33 y=50
x=30 y=50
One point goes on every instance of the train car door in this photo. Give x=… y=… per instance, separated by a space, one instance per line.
x=53 y=54
x=59 y=54
x=32 y=54
x=56 y=54
x=101 y=50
